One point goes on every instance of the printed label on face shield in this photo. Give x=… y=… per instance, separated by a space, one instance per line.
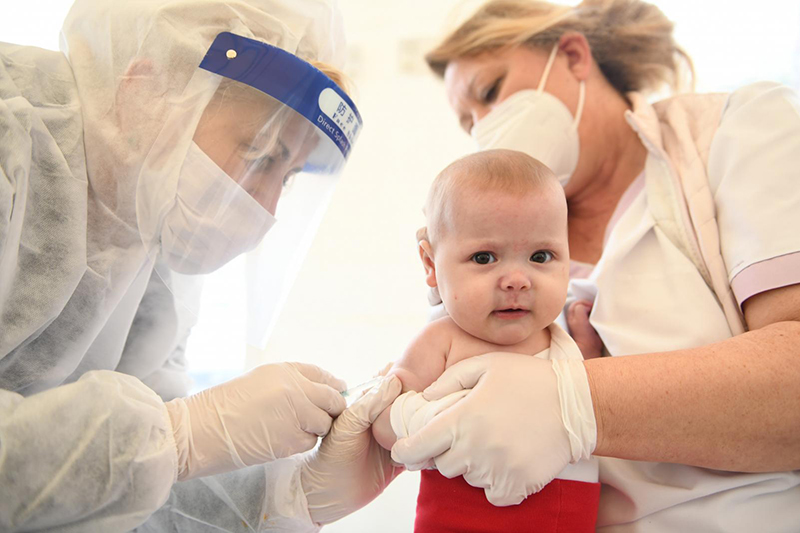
x=340 y=112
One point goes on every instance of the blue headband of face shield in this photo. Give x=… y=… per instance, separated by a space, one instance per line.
x=291 y=81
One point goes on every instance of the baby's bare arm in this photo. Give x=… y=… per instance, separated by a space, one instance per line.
x=421 y=364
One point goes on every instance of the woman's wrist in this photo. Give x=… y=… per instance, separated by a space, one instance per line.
x=179 y=419
x=592 y=368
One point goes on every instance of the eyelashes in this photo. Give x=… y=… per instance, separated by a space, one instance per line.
x=542 y=256
x=486 y=258
x=483 y=258
x=490 y=95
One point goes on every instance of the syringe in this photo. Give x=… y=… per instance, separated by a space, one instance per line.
x=355 y=392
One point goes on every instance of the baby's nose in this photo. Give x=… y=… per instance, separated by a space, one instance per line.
x=515 y=281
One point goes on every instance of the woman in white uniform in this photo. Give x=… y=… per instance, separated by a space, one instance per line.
x=683 y=216
x=150 y=151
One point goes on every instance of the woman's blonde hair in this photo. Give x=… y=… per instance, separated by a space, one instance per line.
x=337 y=76
x=631 y=40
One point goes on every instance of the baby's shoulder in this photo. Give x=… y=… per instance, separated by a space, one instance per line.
x=442 y=328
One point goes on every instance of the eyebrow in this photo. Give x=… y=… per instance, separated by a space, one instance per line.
x=285 y=153
x=491 y=244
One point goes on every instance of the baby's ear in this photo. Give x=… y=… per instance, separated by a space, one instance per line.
x=426 y=255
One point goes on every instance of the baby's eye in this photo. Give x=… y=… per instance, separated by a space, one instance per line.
x=542 y=256
x=484 y=258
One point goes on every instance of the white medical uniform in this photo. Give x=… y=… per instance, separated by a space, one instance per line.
x=91 y=342
x=651 y=298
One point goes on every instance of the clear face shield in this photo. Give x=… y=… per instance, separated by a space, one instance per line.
x=255 y=144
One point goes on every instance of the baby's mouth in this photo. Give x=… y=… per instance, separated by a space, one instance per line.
x=510 y=313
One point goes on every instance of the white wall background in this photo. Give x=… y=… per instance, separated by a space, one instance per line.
x=360 y=297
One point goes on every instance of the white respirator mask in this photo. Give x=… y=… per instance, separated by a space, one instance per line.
x=212 y=220
x=536 y=123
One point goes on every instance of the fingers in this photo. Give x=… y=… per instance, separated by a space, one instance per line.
x=582 y=331
x=318 y=375
x=325 y=398
x=399 y=415
x=500 y=491
x=578 y=316
x=429 y=442
x=586 y=306
x=305 y=442
x=503 y=497
x=385 y=369
x=462 y=375
x=313 y=420
x=451 y=465
x=367 y=408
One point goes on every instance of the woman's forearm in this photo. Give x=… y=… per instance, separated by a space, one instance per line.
x=734 y=405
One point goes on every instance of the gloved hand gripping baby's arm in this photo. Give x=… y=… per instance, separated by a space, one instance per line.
x=421 y=364
x=382 y=428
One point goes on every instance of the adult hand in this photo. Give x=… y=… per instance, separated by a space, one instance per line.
x=271 y=412
x=349 y=469
x=524 y=421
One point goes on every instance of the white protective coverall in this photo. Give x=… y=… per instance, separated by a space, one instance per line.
x=91 y=340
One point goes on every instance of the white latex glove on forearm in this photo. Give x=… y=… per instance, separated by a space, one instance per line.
x=350 y=469
x=271 y=412
x=523 y=421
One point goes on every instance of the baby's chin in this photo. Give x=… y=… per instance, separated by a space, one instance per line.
x=510 y=336
x=508 y=339
x=500 y=332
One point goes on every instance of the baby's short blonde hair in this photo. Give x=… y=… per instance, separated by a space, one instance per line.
x=505 y=171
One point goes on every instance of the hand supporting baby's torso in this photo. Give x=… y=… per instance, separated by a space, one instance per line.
x=439 y=346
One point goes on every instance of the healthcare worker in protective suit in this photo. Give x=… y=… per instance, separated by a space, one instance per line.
x=152 y=151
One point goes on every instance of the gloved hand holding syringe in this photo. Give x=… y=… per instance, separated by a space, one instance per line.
x=351 y=394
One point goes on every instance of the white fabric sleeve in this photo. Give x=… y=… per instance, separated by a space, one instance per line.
x=754 y=174
x=99 y=455
x=156 y=344
x=94 y=455
x=259 y=498
x=172 y=379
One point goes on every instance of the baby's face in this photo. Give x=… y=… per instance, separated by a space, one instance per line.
x=502 y=264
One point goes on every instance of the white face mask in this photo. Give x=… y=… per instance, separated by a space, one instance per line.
x=536 y=123
x=213 y=219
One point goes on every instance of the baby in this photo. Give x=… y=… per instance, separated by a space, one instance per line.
x=496 y=249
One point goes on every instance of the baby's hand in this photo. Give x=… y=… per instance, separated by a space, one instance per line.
x=582 y=331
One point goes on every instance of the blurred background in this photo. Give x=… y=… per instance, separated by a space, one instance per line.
x=359 y=296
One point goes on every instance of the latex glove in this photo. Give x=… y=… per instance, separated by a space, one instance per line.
x=350 y=469
x=271 y=412
x=524 y=421
x=411 y=412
